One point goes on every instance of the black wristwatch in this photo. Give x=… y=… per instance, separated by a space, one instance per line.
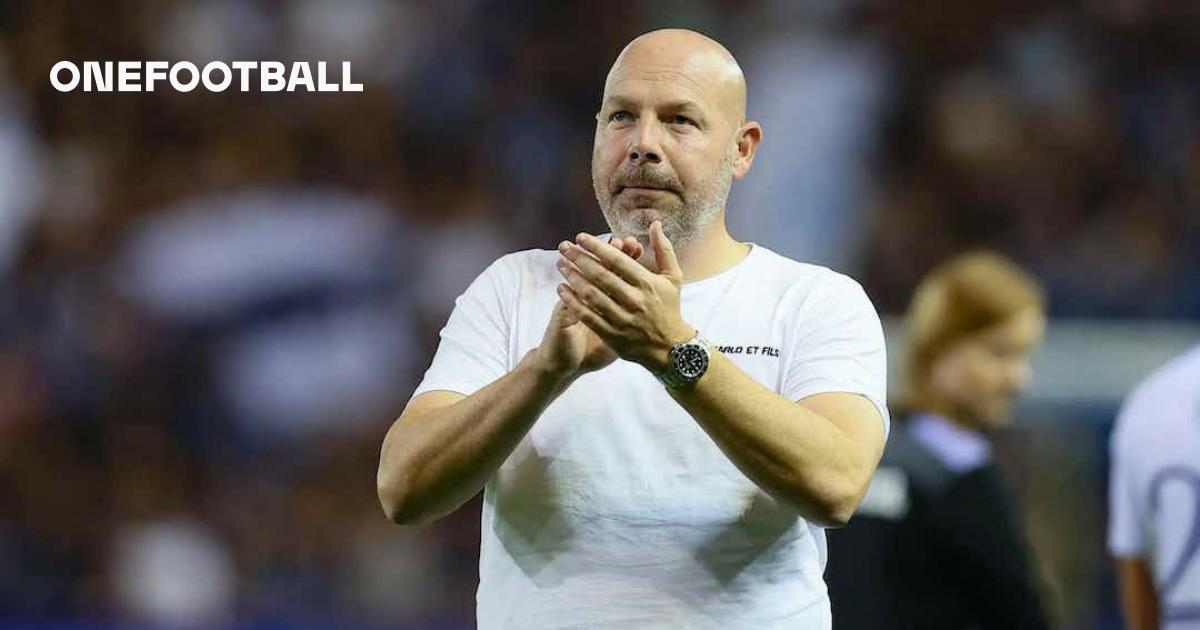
x=688 y=362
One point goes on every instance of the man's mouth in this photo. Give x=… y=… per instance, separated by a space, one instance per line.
x=642 y=189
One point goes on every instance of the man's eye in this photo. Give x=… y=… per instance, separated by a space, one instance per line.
x=680 y=119
x=620 y=116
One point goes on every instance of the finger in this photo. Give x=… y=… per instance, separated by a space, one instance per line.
x=591 y=294
x=664 y=252
x=599 y=275
x=632 y=248
x=629 y=245
x=563 y=317
x=614 y=259
x=584 y=314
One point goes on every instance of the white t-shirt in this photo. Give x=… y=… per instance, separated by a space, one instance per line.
x=617 y=510
x=1155 y=485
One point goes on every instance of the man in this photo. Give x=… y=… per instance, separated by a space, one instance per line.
x=662 y=419
x=936 y=543
x=1154 y=516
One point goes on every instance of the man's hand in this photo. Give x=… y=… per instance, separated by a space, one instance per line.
x=633 y=310
x=570 y=349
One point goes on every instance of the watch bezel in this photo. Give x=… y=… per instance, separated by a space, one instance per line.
x=686 y=355
x=677 y=374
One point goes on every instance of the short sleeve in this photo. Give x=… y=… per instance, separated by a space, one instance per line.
x=1125 y=533
x=473 y=350
x=838 y=346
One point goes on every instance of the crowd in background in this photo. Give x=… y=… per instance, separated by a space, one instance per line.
x=212 y=305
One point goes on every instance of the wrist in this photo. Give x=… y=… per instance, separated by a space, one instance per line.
x=546 y=371
x=660 y=359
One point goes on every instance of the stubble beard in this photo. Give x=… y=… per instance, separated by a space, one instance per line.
x=684 y=216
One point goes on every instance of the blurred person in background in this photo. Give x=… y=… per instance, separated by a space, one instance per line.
x=686 y=485
x=1154 y=515
x=936 y=543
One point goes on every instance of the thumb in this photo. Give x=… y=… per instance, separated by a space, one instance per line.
x=562 y=316
x=664 y=252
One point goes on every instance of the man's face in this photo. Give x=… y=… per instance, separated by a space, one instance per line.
x=983 y=374
x=664 y=150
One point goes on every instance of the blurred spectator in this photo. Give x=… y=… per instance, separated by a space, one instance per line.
x=174 y=573
x=935 y=544
x=20 y=173
x=818 y=93
x=1155 y=498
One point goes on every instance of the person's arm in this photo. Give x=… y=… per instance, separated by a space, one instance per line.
x=817 y=454
x=1139 y=599
x=1127 y=533
x=445 y=446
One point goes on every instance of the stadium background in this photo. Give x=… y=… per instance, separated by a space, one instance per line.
x=214 y=304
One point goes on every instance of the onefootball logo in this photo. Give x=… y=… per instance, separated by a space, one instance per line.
x=184 y=76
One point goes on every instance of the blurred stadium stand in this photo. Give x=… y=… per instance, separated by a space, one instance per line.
x=214 y=304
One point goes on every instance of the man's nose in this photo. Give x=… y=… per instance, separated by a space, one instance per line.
x=644 y=147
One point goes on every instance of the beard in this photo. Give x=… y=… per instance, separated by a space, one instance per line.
x=684 y=213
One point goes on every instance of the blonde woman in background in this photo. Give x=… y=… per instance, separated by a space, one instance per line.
x=936 y=543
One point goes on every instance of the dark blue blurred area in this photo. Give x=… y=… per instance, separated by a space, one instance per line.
x=212 y=305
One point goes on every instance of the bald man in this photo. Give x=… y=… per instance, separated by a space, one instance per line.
x=662 y=418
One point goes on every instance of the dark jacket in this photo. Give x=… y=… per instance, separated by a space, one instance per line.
x=936 y=544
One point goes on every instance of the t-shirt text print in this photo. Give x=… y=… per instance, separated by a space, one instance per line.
x=763 y=350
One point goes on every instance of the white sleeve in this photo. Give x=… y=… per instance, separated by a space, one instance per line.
x=1126 y=537
x=474 y=346
x=839 y=346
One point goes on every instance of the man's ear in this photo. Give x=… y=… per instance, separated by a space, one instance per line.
x=749 y=137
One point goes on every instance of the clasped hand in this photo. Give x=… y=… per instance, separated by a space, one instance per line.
x=633 y=310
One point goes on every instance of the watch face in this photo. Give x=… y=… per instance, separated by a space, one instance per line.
x=691 y=361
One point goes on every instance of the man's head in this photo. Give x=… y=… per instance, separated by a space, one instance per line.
x=671 y=135
x=972 y=326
